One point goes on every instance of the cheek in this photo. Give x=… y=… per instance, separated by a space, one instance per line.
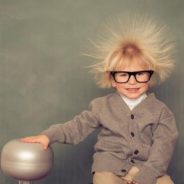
x=120 y=87
x=144 y=87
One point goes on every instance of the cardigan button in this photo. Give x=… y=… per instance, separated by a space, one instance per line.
x=132 y=116
x=123 y=170
x=132 y=134
x=132 y=161
x=136 y=152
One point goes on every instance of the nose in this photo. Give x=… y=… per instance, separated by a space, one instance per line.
x=132 y=80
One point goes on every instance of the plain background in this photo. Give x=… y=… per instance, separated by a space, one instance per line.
x=44 y=79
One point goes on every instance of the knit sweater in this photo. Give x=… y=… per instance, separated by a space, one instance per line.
x=144 y=137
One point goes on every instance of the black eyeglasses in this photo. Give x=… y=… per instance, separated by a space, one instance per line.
x=124 y=76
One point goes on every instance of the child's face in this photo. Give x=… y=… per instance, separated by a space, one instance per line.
x=131 y=89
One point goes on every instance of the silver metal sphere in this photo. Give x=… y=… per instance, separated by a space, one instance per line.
x=26 y=161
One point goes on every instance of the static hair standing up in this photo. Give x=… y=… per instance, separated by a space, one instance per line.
x=130 y=40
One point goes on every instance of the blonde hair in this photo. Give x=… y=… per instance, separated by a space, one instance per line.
x=133 y=39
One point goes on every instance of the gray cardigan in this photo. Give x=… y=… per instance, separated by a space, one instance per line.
x=144 y=137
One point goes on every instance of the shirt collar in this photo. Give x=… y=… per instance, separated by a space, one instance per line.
x=133 y=102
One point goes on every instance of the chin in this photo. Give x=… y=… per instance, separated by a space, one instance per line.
x=133 y=95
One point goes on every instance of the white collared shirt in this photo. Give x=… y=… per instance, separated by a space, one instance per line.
x=133 y=102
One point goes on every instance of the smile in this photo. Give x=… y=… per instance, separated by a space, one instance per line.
x=133 y=90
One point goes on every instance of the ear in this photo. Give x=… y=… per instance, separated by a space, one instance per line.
x=113 y=83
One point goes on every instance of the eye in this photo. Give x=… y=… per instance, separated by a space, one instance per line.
x=123 y=74
x=141 y=73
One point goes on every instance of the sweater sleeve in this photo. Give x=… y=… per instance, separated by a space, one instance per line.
x=74 y=131
x=164 y=140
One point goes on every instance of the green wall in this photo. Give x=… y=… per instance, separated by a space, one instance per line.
x=44 y=80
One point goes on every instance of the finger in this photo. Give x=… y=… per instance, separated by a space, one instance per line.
x=45 y=147
x=30 y=139
x=25 y=139
x=35 y=140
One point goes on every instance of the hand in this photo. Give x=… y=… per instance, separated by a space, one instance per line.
x=42 y=139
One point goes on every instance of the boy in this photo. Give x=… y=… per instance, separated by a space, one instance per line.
x=138 y=132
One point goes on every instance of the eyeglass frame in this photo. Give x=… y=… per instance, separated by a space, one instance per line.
x=113 y=73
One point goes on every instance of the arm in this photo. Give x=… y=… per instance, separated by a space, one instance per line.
x=74 y=131
x=71 y=132
x=164 y=139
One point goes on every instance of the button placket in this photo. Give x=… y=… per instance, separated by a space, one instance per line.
x=132 y=133
x=132 y=161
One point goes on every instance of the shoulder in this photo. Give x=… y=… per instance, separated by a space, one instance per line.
x=104 y=101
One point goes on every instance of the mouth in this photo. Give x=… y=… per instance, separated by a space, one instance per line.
x=132 y=90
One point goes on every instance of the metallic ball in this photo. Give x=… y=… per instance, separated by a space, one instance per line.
x=26 y=161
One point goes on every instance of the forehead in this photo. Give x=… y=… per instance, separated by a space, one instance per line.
x=133 y=65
